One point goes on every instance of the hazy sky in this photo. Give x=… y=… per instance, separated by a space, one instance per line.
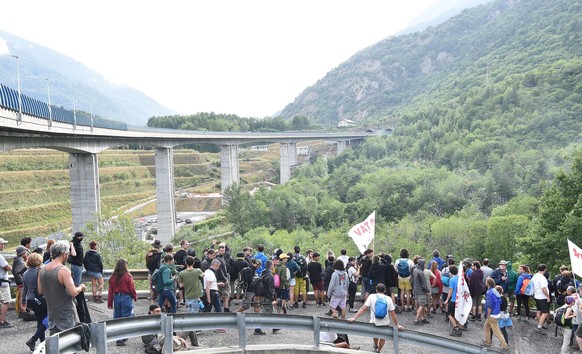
x=248 y=58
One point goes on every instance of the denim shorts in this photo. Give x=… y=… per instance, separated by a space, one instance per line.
x=95 y=275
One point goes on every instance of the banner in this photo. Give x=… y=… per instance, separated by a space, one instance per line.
x=363 y=233
x=463 y=302
x=575 y=257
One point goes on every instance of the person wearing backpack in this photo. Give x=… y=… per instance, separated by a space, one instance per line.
x=164 y=281
x=563 y=318
x=445 y=280
x=523 y=280
x=235 y=275
x=381 y=313
x=281 y=281
x=352 y=272
x=493 y=305
x=300 y=278
x=421 y=291
x=403 y=266
x=561 y=287
x=268 y=300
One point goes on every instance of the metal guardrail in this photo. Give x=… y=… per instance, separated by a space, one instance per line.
x=69 y=341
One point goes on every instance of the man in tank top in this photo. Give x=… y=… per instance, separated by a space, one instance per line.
x=56 y=283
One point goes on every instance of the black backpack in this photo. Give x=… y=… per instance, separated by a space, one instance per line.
x=559 y=318
x=259 y=285
x=154 y=262
x=245 y=277
x=302 y=263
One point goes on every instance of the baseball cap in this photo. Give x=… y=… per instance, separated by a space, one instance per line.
x=502 y=263
x=283 y=256
x=3 y=240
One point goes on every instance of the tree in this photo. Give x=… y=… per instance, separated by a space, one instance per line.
x=241 y=208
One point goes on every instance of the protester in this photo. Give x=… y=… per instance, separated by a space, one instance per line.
x=268 y=300
x=46 y=257
x=33 y=299
x=477 y=289
x=301 y=279
x=451 y=300
x=352 y=272
x=5 y=296
x=76 y=257
x=520 y=290
x=421 y=291
x=165 y=284
x=18 y=269
x=404 y=266
x=315 y=271
x=493 y=304
x=121 y=293
x=94 y=267
x=542 y=297
x=338 y=289
x=211 y=285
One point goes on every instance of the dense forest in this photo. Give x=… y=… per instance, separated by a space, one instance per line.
x=484 y=160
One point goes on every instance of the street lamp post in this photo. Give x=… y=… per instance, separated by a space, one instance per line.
x=48 y=90
x=19 y=116
x=74 y=110
x=91 y=109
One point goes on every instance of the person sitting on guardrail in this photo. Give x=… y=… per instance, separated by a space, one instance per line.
x=336 y=340
x=154 y=343
x=375 y=302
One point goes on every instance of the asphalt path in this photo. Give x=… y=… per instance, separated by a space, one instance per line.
x=522 y=338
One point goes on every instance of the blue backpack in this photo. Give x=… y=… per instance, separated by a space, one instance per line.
x=381 y=307
x=403 y=268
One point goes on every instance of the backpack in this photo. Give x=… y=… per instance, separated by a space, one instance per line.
x=529 y=289
x=302 y=263
x=446 y=277
x=157 y=279
x=559 y=318
x=245 y=277
x=403 y=268
x=277 y=280
x=154 y=262
x=259 y=286
x=381 y=307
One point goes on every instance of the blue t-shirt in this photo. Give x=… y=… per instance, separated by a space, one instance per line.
x=453 y=285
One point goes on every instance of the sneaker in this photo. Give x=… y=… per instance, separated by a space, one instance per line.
x=484 y=344
x=296 y=305
x=220 y=330
x=304 y=305
x=525 y=320
x=472 y=318
x=504 y=350
x=5 y=325
x=479 y=318
x=354 y=310
x=276 y=330
x=418 y=323
x=329 y=313
x=409 y=309
x=425 y=321
x=334 y=315
x=465 y=327
x=152 y=351
x=456 y=332
x=120 y=343
x=31 y=345
x=260 y=332
x=541 y=331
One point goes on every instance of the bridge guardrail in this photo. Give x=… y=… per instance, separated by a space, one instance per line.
x=69 y=341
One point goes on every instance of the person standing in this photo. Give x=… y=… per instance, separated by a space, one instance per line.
x=180 y=261
x=46 y=257
x=421 y=291
x=338 y=289
x=32 y=299
x=268 y=300
x=300 y=278
x=542 y=297
x=352 y=273
x=4 y=287
x=121 y=293
x=385 y=321
x=477 y=290
x=522 y=298
x=56 y=283
x=315 y=271
x=18 y=269
x=165 y=284
x=76 y=258
x=404 y=266
x=344 y=258
x=451 y=299
x=493 y=303
x=365 y=265
x=260 y=255
x=191 y=280
x=211 y=285
x=94 y=266
x=486 y=270
x=500 y=276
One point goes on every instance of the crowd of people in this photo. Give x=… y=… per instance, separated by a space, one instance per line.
x=279 y=281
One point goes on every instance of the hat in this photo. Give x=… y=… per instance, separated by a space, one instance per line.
x=3 y=240
x=283 y=256
x=78 y=234
x=502 y=263
x=157 y=243
x=570 y=300
x=20 y=250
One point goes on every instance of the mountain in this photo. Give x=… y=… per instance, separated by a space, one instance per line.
x=92 y=91
x=526 y=48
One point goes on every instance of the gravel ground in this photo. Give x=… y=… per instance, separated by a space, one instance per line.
x=523 y=337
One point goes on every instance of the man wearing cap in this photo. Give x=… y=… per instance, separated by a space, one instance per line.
x=18 y=269
x=500 y=276
x=56 y=283
x=4 y=287
x=77 y=256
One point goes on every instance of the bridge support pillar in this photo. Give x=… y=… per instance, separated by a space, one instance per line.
x=341 y=146
x=166 y=203
x=288 y=159
x=85 y=192
x=229 y=171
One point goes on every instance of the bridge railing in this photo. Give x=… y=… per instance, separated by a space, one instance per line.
x=103 y=332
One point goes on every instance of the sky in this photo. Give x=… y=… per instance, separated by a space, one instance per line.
x=249 y=58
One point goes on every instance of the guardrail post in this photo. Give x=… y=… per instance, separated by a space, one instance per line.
x=99 y=337
x=316 y=329
x=168 y=331
x=52 y=344
x=395 y=339
x=242 y=330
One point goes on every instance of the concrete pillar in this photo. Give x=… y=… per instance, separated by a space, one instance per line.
x=229 y=171
x=85 y=195
x=288 y=159
x=166 y=203
x=341 y=146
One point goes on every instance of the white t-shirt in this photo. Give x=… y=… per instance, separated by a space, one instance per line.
x=327 y=337
x=3 y=273
x=352 y=274
x=540 y=282
x=209 y=276
x=371 y=303
x=344 y=259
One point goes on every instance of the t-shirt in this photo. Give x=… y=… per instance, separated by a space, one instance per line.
x=3 y=273
x=191 y=280
x=344 y=259
x=209 y=276
x=453 y=285
x=410 y=265
x=539 y=282
x=371 y=303
x=327 y=337
x=315 y=269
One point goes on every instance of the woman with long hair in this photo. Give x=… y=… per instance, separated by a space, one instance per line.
x=522 y=281
x=33 y=300
x=436 y=287
x=46 y=257
x=94 y=267
x=121 y=293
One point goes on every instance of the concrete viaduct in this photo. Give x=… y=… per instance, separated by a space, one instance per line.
x=84 y=143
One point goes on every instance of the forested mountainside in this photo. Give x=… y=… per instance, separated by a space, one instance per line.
x=507 y=63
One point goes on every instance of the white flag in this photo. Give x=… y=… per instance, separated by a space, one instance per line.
x=575 y=257
x=363 y=233
x=463 y=301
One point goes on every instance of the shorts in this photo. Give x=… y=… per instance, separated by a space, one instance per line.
x=4 y=294
x=95 y=275
x=543 y=305
x=435 y=290
x=299 y=285
x=451 y=309
x=283 y=294
x=578 y=331
x=391 y=290
x=422 y=300
x=318 y=286
x=404 y=284
x=292 y=282
x=248 y=300
x=337 y=301
x=477 y=300
x=511 y=296
x=224 y=290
